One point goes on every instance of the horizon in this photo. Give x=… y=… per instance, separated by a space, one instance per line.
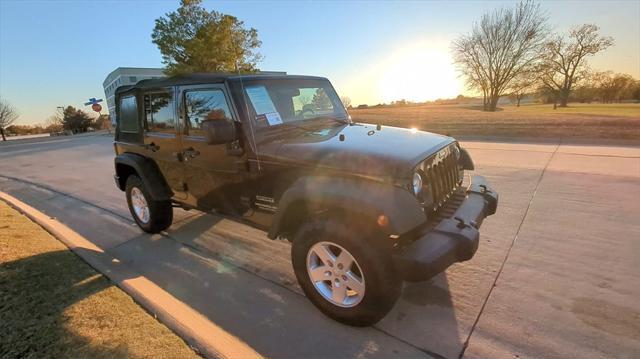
x=45 y=63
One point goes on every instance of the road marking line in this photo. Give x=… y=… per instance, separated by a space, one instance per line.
x=196 y=329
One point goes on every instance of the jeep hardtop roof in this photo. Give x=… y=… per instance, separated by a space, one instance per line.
x=208 y=78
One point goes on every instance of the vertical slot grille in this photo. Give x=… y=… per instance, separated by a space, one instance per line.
x=443 y=178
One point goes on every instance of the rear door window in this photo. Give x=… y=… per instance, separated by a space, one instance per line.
x=128 y=114
x=159 y=112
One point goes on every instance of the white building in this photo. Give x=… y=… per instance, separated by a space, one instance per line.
x=123 y=76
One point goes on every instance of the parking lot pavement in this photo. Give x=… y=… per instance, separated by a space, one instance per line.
x=569 y=287
x=560 y=251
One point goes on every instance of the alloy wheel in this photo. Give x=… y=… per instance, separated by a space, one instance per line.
x=335 y=274
x=140 y=206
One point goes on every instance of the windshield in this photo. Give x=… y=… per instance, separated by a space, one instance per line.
x=291 y=101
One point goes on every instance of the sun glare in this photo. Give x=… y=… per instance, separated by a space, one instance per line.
x=419 y=73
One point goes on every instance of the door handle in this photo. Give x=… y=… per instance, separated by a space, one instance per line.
x=152 y=146
x=191 y=152
x=179 y=156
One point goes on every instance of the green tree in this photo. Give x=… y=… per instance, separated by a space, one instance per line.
x=192 y=39
x=75 y=120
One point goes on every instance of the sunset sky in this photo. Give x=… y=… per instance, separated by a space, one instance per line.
x=55 y=53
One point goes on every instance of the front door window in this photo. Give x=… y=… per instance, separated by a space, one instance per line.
x=202 y=106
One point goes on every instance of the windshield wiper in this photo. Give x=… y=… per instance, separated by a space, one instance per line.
x=305 y=125
x=333 y=118
x=288 y=125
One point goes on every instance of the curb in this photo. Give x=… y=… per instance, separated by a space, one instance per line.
x=199 y=332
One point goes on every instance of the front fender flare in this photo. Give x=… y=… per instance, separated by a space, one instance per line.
x=465 y=160
x=364 y=198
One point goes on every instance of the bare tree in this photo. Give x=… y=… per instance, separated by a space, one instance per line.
x=614 y=87
x=53 y=124
x=564 y=62
x=587 y=89
x=522 y=85
x=346 y=101
x=8 y=116
x=635 y=91
x=304 y=99
x=503 y=45
x=102 y=122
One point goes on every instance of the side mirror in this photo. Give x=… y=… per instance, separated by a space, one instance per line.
x=219 y=131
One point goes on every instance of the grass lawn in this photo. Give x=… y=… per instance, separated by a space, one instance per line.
x=53 y=304
x=587 y=121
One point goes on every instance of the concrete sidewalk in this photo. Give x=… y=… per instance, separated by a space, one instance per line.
x=243 y=282
x=209 y=339
x=55 y=305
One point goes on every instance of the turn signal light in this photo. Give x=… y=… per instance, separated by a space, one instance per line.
x=383 y=220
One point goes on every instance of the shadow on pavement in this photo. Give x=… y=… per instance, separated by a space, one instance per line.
x=244 y=282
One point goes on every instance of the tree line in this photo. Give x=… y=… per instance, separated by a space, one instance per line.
x=604 y=87
x=71 y=120
x=512 y=51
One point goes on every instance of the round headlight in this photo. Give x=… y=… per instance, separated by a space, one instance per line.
x=417 y=183
x=456 y=152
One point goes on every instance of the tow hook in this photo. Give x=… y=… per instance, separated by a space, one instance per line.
x=463 y=224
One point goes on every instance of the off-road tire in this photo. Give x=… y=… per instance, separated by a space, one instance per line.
x=160 y=212
x=373 y=255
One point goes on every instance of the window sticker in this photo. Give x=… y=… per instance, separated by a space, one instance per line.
x=273 y=118
x=260 y=100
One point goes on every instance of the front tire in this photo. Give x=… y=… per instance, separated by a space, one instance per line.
x=346 y=273
x=150 y=215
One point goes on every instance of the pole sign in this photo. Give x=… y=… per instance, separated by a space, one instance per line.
x=94 y=104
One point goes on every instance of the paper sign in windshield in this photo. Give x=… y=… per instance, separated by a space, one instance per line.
x=273 y=118
x=260 y=100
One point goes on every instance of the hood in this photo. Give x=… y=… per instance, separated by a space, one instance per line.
x=390 y=152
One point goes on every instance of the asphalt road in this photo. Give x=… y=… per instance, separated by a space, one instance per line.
x=556 y=274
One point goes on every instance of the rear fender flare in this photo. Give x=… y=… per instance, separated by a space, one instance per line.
x=148 y=172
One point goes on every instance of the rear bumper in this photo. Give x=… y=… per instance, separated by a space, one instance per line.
x=453 y=240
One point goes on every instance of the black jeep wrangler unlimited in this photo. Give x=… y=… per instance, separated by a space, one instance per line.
x=364 y=206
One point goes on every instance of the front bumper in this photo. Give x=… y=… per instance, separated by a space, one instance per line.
x=453 y=240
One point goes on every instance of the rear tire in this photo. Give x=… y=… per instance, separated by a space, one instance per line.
x=376 y=287
x=150 y=215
